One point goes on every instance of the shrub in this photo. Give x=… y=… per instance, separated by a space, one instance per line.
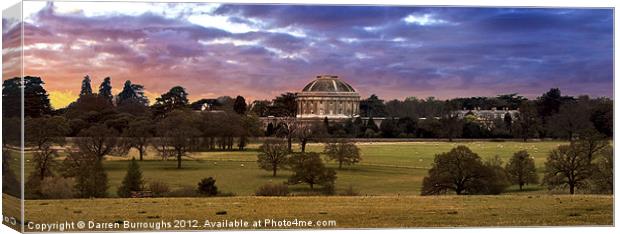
x=206 y=187
x=270 y=189
x=58 y=188
x=159 y=188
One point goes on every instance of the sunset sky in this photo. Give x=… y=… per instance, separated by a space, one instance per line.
x=260 y=51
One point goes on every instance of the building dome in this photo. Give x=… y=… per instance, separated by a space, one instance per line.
x=327 y=83
x=327 y=96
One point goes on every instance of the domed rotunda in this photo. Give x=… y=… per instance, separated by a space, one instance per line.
x=328 y=96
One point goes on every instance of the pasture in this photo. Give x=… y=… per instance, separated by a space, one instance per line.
x=387 y=168
x=388 y=180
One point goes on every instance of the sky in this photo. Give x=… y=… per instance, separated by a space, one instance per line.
x=260 y=51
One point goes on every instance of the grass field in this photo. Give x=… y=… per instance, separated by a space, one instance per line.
x=387 y=168
x=388 y=179
x=348 y=212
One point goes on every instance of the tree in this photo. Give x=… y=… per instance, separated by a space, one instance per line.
x=372 y=107
x=451 y=127
x=527 y=122
x=86 y=88
x=138 y=135
x=343 y=152
x=207 y=187
x=567 y=166
x=570 y=119
x=603 y=116
x=389 y=128
x=175 y=135
x=273 y=155
x=105 y=90
x=497 y=179
x=90 y=178
x=521 y=169
x=91 y=181
x=309 y=168
x=286 y=128
x=261 y=108
x=176 y=98
x=549 y=103
x=603 y=174
x=592 y=142
x=460 y=170
x=132 y=94
x=12 y=98
x=284 y=105
x=35 y=98
x=306 y=132
x=132 y=180
x=97 y=140
x=36 y=101
x=240 y=107
x=250 y=126
x=45 y=131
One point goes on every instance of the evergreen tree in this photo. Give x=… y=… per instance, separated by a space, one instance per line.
x=240 y=107
x=131 y=93
x=11 y=98
x=86 y=88
x=36 y=101
x=105 y=89
x=174 y=99
x=91 y=179
x=132 y=181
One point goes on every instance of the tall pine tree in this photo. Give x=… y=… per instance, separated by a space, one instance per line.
x=86 y=89
x=105 y=89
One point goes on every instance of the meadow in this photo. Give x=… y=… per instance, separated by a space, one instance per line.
x=387 y=168
x=388 y=180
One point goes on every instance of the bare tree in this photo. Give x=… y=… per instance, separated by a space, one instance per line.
x=138 y=135
x=286 y=129
x=97 y=140
x=273 y=155
x=306 y=132
x=567 y=166
x=175 y=133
